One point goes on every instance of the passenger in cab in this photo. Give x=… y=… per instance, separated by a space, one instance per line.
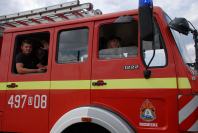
x=42 y=53
x=113 y=43
x=26 y=62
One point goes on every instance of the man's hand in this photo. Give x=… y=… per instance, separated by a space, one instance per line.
x=41 y=70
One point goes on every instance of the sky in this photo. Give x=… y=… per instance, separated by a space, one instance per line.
x=175 y=8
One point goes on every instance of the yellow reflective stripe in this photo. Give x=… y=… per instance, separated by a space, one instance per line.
x=153 y=83
x=2 y=86
x=32 y=85
x=71 y=84
x=184 y=83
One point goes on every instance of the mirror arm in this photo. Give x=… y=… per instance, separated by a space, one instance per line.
x=195 y=34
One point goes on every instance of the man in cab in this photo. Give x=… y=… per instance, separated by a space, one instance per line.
x=26 y=62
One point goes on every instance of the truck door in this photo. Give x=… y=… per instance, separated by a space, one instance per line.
x=4 y=61
x=118 y=81
x=71 y=69
x=27 y=98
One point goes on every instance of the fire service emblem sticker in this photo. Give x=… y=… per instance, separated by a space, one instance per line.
x=147 y=111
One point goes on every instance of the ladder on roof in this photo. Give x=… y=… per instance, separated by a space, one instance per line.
x=60 y=12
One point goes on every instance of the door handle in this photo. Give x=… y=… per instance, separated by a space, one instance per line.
x=99 y=83
x=12 y=85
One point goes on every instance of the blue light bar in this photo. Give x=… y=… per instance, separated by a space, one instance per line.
x=143 y=3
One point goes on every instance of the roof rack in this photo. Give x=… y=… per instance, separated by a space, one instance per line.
x=60 y=12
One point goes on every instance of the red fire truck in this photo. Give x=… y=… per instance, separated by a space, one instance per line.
x=127 y=72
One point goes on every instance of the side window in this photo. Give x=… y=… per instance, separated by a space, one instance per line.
x=159 y=59
x=72 y=46
x=118 y=40
x=31 y=53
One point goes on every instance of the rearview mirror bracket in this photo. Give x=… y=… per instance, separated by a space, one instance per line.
x=195 y=34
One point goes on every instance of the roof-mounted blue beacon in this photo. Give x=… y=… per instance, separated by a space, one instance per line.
x=147 y=3
x=146 y=19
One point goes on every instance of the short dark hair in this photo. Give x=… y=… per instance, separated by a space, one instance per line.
x=115 y=37
x=44 y=41
x=26 y=42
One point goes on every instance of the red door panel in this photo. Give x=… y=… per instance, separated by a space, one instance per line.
x=70 y=87
x=4 y=61
x=119 y=85
x=27 y=101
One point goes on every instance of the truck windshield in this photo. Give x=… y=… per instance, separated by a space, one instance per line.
x=185 y=45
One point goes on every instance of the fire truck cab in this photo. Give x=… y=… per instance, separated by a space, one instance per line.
x=108 y=73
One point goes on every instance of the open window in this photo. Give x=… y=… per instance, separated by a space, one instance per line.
x=118 y=40
x=39 y=52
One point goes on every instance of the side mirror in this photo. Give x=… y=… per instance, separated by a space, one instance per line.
x=181 y=25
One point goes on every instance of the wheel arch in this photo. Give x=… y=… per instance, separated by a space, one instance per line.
x=105 y=118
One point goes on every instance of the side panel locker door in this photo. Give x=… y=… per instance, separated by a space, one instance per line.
x=71 y=69
x=27 y=96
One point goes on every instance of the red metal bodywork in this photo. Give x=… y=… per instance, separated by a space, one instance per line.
x=126 y=103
